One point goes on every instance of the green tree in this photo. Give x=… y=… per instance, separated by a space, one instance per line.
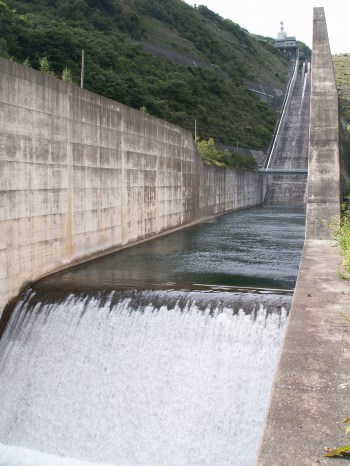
x=4 y=48
x=27 y=63
x=118 y=67
x=209 y=154
x=45 y=67
x=67 y=76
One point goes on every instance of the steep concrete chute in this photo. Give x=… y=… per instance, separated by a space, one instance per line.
x=287 y=163
x=284 y=112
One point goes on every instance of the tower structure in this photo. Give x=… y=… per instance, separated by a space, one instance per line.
x=287 y=44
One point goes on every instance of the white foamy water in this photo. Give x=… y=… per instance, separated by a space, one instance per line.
x=19 y=456
x=98 y=381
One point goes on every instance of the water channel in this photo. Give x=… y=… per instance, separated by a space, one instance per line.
x=160 y=354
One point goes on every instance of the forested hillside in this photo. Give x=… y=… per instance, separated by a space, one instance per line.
x=177 y=62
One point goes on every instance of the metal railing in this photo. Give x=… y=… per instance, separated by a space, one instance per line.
x=283 y=171
x=286 y=102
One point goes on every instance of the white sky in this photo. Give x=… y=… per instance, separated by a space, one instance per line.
x=263 y=17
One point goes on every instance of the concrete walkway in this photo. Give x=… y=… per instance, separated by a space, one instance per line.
x=311 y=394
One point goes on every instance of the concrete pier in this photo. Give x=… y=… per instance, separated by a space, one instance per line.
x=311 y=392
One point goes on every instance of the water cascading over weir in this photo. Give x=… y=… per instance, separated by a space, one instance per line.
x=160 y=354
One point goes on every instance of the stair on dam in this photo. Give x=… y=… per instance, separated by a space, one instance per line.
x=291 y=149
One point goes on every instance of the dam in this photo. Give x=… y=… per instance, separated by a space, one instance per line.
x=159 y=372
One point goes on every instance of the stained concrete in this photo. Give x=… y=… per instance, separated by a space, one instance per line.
x=311 y=391
x=82 y=175
x=311 y=394
x=292 y=144
x=324 y=184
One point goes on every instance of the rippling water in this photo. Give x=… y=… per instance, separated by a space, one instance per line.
x=258 y=247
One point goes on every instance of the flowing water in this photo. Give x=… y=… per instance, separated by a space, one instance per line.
x=258 y=247
x=156 y=355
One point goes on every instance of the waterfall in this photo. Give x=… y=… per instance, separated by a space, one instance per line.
x=137 y=377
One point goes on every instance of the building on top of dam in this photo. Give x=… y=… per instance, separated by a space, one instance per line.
x=287 y=44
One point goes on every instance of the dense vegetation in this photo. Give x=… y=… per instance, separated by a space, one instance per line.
x=341 y=64
x=224 y=158
x=114 y=35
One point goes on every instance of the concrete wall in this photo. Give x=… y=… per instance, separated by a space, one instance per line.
x=311 y=390
x=328 y=163
x=82 y=175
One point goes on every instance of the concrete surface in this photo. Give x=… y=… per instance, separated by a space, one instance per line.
x=311 y=390
x=292 y=145
x=82 y=175
x=311 y=394
x=324 y=183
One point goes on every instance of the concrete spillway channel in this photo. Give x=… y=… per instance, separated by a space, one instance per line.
x=290 y=149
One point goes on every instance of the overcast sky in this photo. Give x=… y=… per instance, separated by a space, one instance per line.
x=263 y=17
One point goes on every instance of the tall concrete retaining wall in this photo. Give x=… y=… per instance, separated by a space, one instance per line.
x=328 y=141
x=311 y=391
x=82 y=175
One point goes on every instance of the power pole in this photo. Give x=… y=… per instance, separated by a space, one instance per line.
x=82 y=69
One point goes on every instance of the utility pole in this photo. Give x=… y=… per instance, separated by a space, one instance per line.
x=195 y=130
x=82 y=69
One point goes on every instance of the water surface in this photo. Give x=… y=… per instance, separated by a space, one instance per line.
x=259 y=247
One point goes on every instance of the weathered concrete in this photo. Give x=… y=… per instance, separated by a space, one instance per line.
x=311 y=391
x=82 y=175
x=325 y=184
x=291 y=148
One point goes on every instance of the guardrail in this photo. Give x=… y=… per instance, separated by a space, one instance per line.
x=286 y=102
x=284 y=171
